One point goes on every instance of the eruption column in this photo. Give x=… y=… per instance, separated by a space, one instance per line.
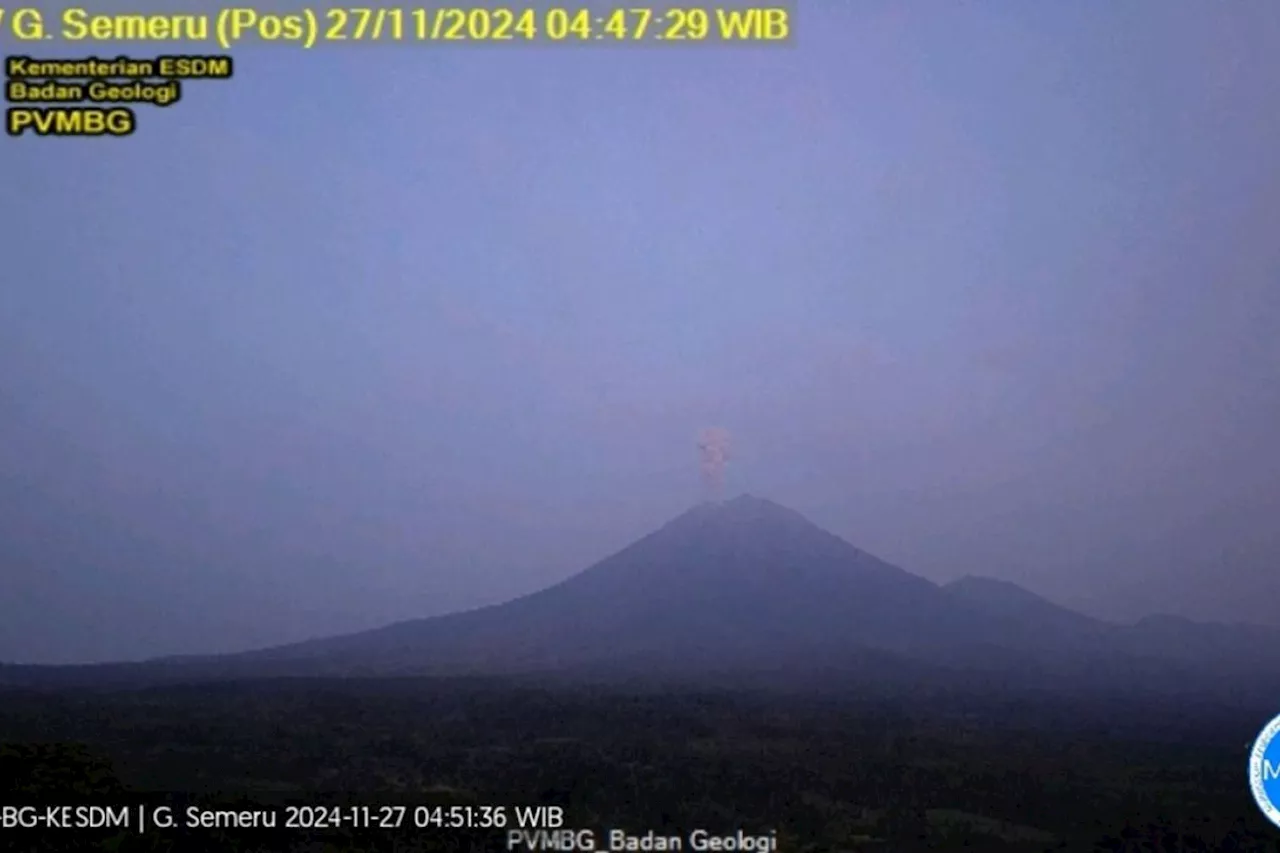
x=714 y=448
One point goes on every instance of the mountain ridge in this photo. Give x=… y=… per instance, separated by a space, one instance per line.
x=748 y=585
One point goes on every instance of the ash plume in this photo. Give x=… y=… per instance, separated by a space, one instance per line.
x=713 y=445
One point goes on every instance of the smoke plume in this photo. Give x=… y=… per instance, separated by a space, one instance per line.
x=713 y=445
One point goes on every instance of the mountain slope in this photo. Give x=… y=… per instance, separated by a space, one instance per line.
x=748 y=586
x=1050 y=623
x=746 y=582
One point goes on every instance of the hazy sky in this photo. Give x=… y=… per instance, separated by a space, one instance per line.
x=375 y=333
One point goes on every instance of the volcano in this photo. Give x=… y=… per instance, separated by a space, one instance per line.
x=744 y=585
x=749 y=586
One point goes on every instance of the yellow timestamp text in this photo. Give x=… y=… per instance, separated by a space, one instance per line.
x=312 y=26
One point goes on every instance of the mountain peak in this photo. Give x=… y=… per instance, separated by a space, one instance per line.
x=745 y=507
x=741 y=502
x=748 y=499
x=748 y=518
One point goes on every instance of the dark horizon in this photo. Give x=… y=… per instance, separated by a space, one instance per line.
x=361 y=336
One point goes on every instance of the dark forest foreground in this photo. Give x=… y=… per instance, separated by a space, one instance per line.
x=897 y=771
